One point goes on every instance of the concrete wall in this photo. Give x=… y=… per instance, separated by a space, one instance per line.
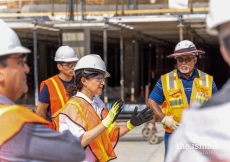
x=78 y=39
x=42 y=62
x=128 y=62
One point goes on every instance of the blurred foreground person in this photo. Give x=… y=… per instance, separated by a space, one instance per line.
x=85 y=116
x=24 y=135
x=203 y=135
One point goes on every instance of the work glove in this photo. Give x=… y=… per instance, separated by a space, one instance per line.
x=115 y=109
x=169 y=122
x=139 y=118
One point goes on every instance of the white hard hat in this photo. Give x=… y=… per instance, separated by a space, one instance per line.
x=9 y=41
x=185 y=47
x=92 y=61
x=219 y=13
x=65 y=54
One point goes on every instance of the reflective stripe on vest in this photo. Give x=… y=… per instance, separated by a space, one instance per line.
x=202 y=88
x=175 y=97
x=90 y=126
x=173 y=91
x=13 y=117
x=4 y=110
x=58 y=91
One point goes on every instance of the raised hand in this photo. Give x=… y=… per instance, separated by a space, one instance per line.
x=169 y=122
x=115 y=109
x=139 y=118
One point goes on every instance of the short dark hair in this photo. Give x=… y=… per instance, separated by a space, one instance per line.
x=77 y=86
x=3 y=60
x=60 y=62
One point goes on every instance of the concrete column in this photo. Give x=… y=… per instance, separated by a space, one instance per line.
x=78 y=39
x=42 y=62
x=128 y=61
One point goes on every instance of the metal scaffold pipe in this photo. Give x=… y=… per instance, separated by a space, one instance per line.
x=150 y=59
x=133 y=71
x=71 y=10
x=180 y=26
x=142 y=68
x=82 y=9
x=35 y=61
x=122 y=66
x=105 y=58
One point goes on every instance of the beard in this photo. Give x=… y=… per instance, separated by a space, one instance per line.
x=184 y=69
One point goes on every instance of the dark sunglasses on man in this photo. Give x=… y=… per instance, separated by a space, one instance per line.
x=186 y=60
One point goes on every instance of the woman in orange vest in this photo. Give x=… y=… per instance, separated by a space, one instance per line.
x=85 y=116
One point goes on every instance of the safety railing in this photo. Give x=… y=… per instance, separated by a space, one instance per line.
x=17 y=4
x=50 y=8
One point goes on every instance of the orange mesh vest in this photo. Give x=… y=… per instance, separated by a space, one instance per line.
x=13 y=117
x=175 y=97
x=57 y=92
x=82 y=113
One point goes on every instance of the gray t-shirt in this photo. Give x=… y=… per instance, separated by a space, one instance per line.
x=37 y=143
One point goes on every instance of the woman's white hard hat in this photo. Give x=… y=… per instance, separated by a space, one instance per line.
x=92 y=61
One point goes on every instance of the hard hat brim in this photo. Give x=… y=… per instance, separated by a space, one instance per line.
x=185 y=53
x=16 y=50
x=106 y=73
x=66 y=59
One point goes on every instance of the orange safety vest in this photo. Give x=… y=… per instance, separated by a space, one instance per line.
x=13 y=117
x=83 y=114
x=175 y=97
x=57 y=92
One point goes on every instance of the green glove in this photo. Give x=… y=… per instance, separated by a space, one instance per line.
x=115 y=109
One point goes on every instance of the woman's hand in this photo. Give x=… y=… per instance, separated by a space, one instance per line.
x=115 y=109
x=139 y=118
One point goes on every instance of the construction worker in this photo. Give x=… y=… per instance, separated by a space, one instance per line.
x=24 y=135
x=53 y=95
x=203 y=134
x=179 y=88
x=85 y=116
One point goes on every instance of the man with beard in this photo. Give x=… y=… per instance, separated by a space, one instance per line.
x=53 y=95
x=180 y=88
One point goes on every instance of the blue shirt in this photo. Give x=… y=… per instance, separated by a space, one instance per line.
x=45 y=97
x=157 y=93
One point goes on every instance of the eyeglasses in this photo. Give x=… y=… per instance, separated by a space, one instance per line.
x=69 y=65
x=22 y=59
x=186 y=60
x=100 y=78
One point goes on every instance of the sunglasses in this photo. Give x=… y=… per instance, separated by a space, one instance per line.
x=186 y=60
x=69 y=65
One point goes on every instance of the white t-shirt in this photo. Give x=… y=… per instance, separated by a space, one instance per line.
x=66 y=124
